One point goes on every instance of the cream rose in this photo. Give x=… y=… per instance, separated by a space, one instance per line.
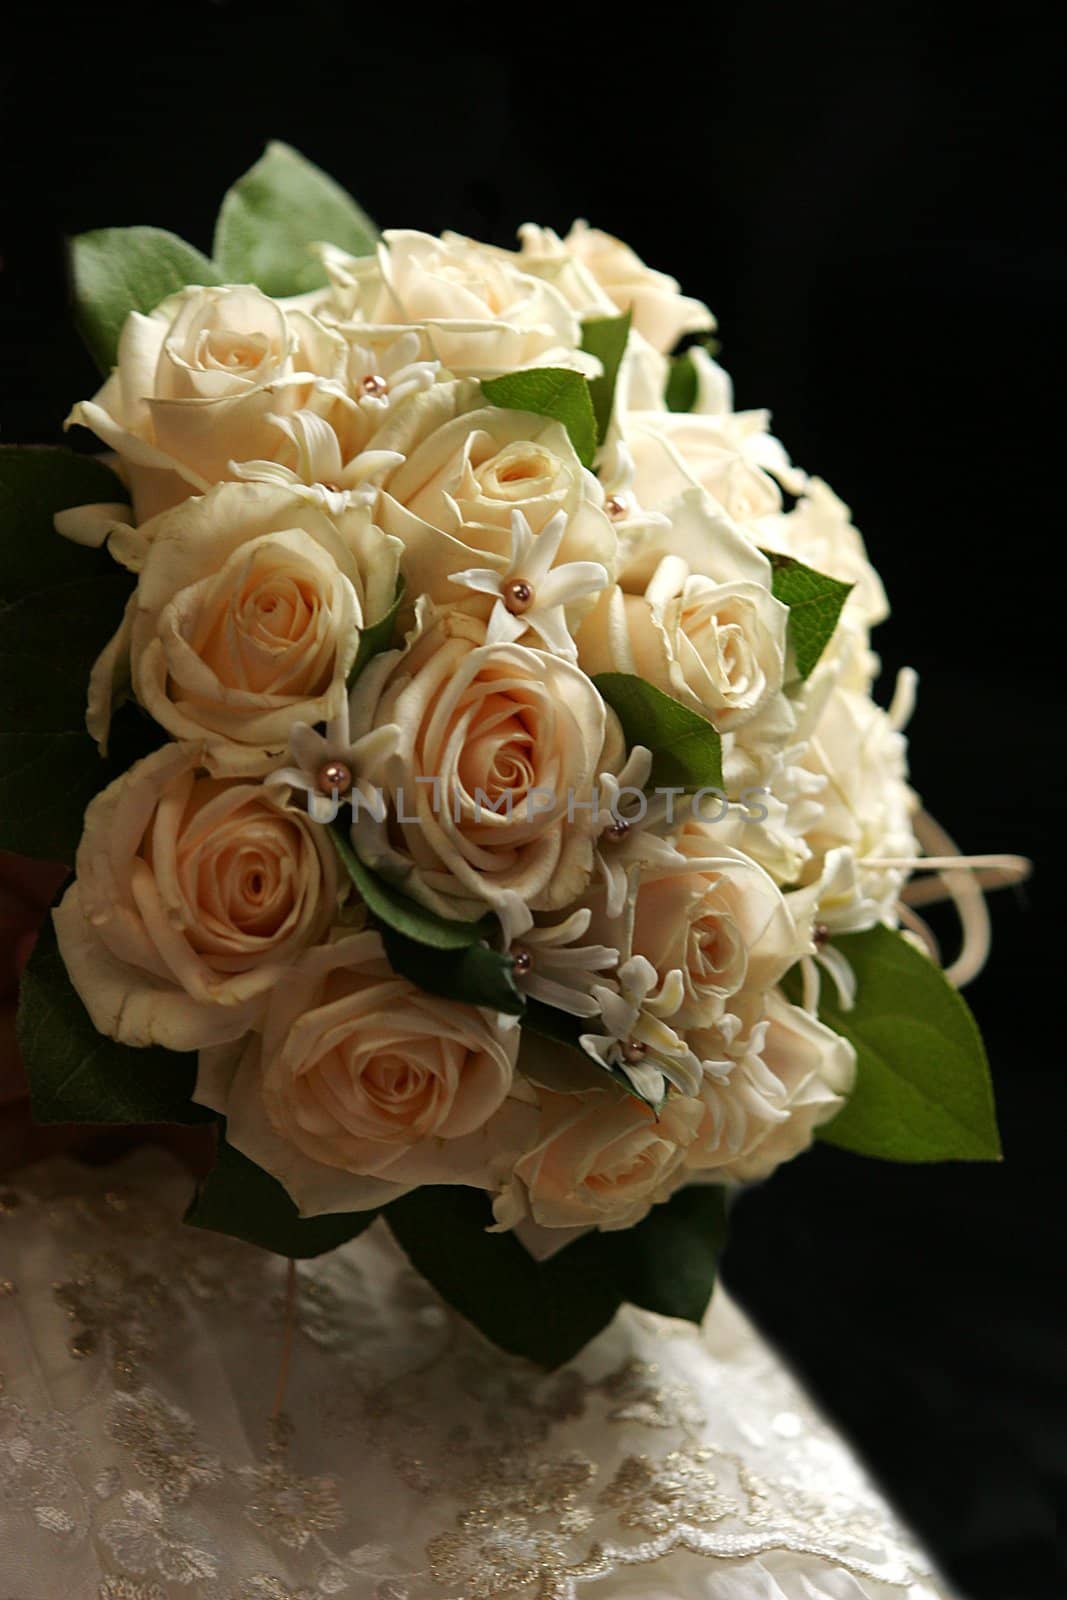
x=468 y=468
x=363 y=1086
x=247 y=617
x=719 y=647
x=788 y=1076
x=642 y=377
x=201 y=384
x=731 y=454
x=599 y=1159
x=491 y=746
x=192 y=897
x=716 y=917
x=659 y=311
x=819 y=531
x=857 y=748
x=672 y=451
x=479 y=311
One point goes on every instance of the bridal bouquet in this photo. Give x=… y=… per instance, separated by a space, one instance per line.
x=459 y=721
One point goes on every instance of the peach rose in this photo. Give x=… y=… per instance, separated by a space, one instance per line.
x=364 y=1086
x=468 y=468
x=715 y=916
x=700 y=624
x=785 y=1078
x=192 y=897
x=492 y=745
x=200 y=383
x=600 y=1159
x=246 y=619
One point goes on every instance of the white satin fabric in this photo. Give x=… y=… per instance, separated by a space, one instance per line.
x=147 y=1454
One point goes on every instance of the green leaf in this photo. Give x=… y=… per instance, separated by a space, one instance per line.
x=681 y=392
x=560 y=1026
x=550 y=392
x=378 y=637
x=398 y=911
x=814 y=602
x=271 y=216
x=605 y=338
x=668 y=1262
x=476 y=974
x=686 y=749
x=59 y=605
x=547 y=1310
x=240 y=1199
x=923 y=1091
x=683 y=385
x=119 y=270
x=79 y=1075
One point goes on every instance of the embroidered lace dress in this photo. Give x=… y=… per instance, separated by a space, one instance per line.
x=148 y=1452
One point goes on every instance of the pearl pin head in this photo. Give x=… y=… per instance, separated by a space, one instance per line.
x=518 y=596
x=634 y=1049
x=334 y=778
x=617 y=830
x=615 y=506
x=522 y=961
x=375 y=386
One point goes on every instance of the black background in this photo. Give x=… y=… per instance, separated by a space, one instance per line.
x=869 y=202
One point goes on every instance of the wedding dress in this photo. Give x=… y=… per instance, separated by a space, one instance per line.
x=182 y=1420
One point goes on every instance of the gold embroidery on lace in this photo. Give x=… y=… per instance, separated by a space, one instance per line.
x=640 y=1396
x=659 y=1494
x=162 y=1441
x=112 y=1300
x=126 y=1589
x=291 y=1507
x=477 y=1437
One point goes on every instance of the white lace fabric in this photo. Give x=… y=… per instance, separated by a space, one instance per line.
x=143 y=1455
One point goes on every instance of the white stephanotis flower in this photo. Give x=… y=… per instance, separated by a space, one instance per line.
x=638 y=1041
x=835 y=887
x=320 y=473
x=617 y=472
x=629 y=825
x=552 y=964
x=329 y=453
x=326 y=768
x=383 y=372
x=531 y=593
